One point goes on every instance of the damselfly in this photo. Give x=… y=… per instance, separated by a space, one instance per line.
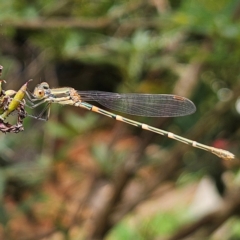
x=151 y=105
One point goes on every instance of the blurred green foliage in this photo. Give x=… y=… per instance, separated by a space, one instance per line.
x=149 y=228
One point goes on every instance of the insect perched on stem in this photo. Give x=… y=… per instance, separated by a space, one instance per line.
x=152 y=105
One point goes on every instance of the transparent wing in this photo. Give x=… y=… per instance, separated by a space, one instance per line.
x=150 y=105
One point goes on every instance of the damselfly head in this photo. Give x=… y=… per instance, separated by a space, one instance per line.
x=40 y=90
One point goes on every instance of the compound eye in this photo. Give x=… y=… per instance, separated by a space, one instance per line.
x=39 y=93
x=44 y=85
